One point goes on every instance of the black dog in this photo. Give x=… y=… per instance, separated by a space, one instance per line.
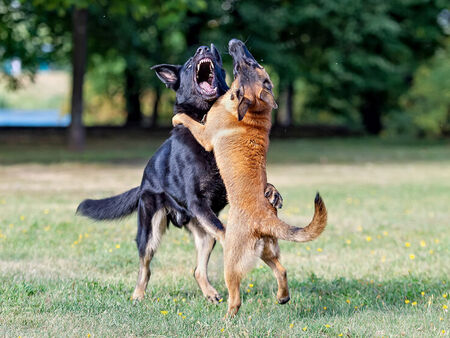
x=181 y=182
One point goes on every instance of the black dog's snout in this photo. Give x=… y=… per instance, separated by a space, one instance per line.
x=202 y=50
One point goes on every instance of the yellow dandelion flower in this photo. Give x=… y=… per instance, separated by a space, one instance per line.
x=383 y=259
x=250 y=285
x=407 y=244
x=47 y=228
x=175 y=300
x=22 y=218
x=385 y=233
x=444 y=295
x=75 y=243
x=248 y=290
x=340 y=334
x=423 y=244
x=308 y=248
x=431 y=252
x=443 y=331
x=183 y=317
x=327 y=325
x=183 y=300
x=444 y=307
x=441 y=319
x=88 y=335
x=110 y=250
x=222 y=329
x=180 y=313
x=348 y=301
x=348 y=241
x=163 y=312
x=324 y=307
x=412 y=256
x=305 y=328
x=291 y=325
x=359 y=228
x=319 y=249
x=414 y=303
x=46 y=211
x=406 y=301
x=117 y=246
x=86 y=235
x=422 y=293
x=436 y=241
x=368 y=238
x=356 y=308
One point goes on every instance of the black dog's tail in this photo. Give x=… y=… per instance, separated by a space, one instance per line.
x=112 y=207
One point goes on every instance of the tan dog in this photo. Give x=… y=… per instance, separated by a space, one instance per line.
x=237 y=129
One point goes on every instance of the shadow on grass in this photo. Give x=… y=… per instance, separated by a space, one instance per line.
x=313 y=297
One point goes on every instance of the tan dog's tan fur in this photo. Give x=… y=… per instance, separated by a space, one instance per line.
x=240 y=149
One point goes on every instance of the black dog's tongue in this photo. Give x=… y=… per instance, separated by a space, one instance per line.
x=206 y=87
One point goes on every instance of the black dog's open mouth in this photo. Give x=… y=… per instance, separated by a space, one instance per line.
x=205 y=77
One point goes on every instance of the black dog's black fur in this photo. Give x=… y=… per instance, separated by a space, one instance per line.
x=181 y=177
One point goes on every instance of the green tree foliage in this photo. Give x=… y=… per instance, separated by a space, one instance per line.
x=354 y=59
x=427 y=103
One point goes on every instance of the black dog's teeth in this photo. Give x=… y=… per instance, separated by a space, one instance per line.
x=210 y=72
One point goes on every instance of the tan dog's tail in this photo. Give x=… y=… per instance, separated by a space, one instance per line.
x=284 y=231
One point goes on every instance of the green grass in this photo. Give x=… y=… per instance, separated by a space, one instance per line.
x=62 y=275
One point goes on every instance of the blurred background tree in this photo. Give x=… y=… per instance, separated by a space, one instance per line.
x=369 y=65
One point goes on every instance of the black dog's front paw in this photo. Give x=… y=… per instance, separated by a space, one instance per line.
x=274 y=197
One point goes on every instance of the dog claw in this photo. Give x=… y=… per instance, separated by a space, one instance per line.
x=216 y=299
x=274 y=197
x=284 y=300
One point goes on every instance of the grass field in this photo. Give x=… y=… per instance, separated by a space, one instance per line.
x=381 y=268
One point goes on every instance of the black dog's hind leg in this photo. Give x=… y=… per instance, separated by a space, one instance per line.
x=179 y=216
x=207 y=219
x=204 y=243
x=152 y=223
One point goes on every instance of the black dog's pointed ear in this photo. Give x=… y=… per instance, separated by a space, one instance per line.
x=216 y=54
x=168 y=74
x=267 y=97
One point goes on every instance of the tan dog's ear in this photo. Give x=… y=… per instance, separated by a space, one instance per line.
x=267 y=97
x=243 y=108
x=244 y=103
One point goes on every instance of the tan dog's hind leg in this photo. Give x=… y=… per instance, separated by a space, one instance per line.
x=197 y=129
x=204 y=244
x=233 y=281
x=270 y=256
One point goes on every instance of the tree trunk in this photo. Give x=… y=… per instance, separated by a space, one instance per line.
x=371 y=112
x=77 y=133
x=286 y=116
x=132 y=97
x=154 y=120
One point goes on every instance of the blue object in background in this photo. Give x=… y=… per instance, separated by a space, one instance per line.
x=33 y=118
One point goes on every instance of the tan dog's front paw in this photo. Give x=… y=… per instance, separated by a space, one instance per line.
x=177 y=120
x=274 y=197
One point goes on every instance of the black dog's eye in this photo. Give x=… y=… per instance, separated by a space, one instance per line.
x=267 y=85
